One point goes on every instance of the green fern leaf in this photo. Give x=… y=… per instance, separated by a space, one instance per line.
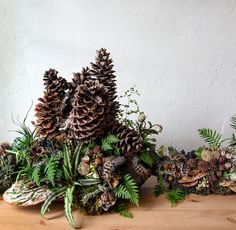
x=111 y=139
x=106 y=146
x=122 y=210
x=51 y=169
x=233 y=122
x=176 y=196
x=35 y=176
x=159 y=188
x=211 y=137
x=128 y=189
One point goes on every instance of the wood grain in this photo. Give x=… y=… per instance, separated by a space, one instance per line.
x=196 y=212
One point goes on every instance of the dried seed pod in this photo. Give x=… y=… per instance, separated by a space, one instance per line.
x=107 y=200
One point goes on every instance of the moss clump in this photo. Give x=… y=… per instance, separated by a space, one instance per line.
x=92 y=206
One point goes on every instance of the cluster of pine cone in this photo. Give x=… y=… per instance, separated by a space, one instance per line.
x=84 y=109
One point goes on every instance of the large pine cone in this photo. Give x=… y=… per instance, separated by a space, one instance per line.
x=53 y=83
x=102 y=69
x=48 y=114
x=88 y=118
x=129 y=140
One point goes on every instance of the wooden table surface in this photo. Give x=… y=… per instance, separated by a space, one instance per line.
x=196 y=212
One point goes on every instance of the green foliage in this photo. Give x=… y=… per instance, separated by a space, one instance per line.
x=176 y=196
x=110 y=145
x=128 y=189
x=123 y=211
x=211 y=137
x=52 y=169
x=90 y=195
x=147 y=158
x=57 y=193
x=129 y=107
x=159 y=188
x=233 y=122
x=35 y=176
x=68 y=204
x=198 y=153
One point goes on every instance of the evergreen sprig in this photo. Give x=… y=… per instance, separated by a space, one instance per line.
x=52 y=169
x=128 y=189
x=176 y=196
x=159 y=188
x=122 y=210
x=233 y=122
x=110 y=144
x=211 y=137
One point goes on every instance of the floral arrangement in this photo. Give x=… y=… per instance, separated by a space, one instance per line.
x=87 y=150
x=208 y=170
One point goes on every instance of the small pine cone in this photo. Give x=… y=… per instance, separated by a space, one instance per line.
x=138 y=171
x=129 y=140
x=88 y=117
x=102 y=70
x=48 y=114
x=107 y=200
x=54 y=83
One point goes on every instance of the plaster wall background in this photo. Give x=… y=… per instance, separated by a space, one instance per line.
x=181 y=55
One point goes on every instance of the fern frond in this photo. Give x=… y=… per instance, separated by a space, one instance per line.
x=51 y=169
x=108 y=142
x=128 y=189
x=122 y=210
x=211 y=137
x=176 y=196
x=159 y=188
x=35 y=176
x=233 y=121
x=111 y=139
x=106 y=146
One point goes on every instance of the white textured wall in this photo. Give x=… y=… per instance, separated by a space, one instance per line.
x=181 y=55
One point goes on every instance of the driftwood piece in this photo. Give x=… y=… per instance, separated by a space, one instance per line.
x=21 y=195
